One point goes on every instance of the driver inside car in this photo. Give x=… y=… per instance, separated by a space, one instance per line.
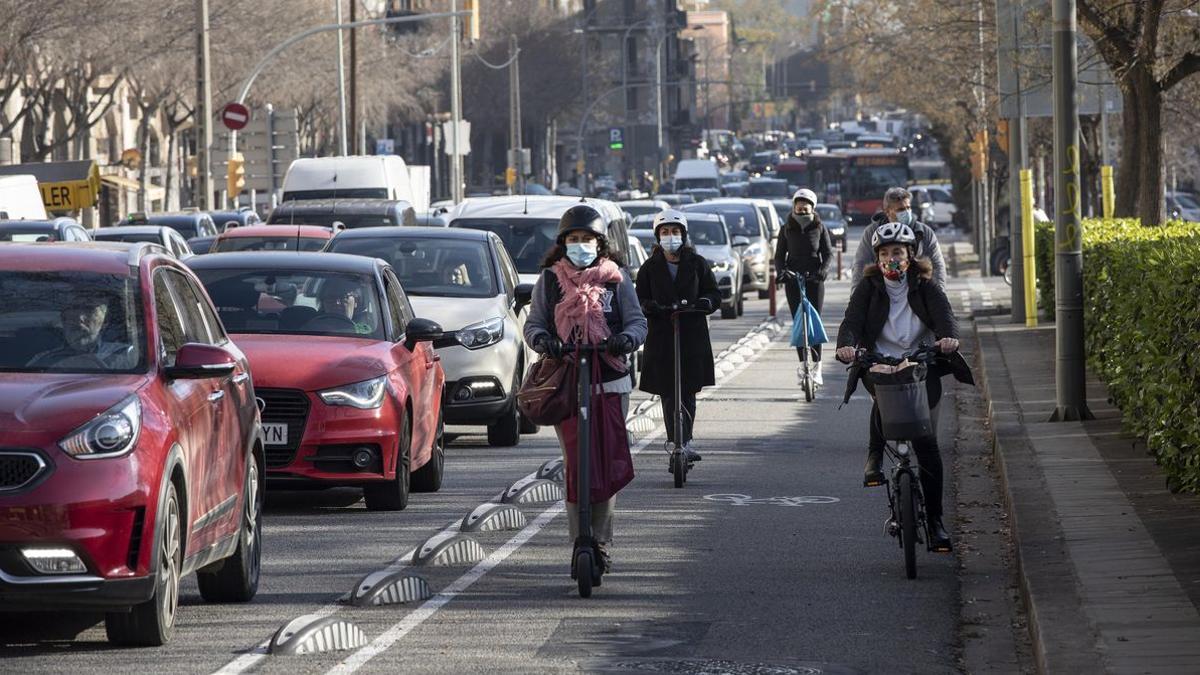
x=83 y=322
x=339 y=309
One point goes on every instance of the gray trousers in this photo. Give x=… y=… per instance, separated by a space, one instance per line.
x=602 y=513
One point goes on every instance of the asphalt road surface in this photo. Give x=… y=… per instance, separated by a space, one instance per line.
x=772 y=558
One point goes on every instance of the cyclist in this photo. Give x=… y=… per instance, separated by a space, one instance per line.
x=804 y=251
x=897 y=307
x=675 y=274
x=897 y=208
x=583 y=295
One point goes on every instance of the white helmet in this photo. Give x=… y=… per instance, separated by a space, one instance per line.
x=670 y=217
x=805 y=194
x=893 y=233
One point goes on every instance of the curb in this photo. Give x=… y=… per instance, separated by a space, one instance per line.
x=1047 y=621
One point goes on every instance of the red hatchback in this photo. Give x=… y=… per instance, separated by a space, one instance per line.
x=130 y=448
x=349 y=386
x=273 y=238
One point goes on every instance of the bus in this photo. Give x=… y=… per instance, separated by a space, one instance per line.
x=866 y=175
x=820 y=173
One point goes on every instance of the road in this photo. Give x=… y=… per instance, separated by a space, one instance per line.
x=795 y=573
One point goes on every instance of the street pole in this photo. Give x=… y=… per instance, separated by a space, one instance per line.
x=658 y=107
x=341 y=77
x=353 y=103
x=456 y=161
x=985 y=268
x=203 y=108
x=1016 y=162
x=1070 y=372
x=514 y=117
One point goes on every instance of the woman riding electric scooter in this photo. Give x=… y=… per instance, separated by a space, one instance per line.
x=677 y=278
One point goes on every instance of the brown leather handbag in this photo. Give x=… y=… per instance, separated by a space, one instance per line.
x=547 y=396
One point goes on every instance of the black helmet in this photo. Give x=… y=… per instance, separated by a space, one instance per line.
x=581 y=217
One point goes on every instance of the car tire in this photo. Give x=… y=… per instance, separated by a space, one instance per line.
x=152 y=623
x=506 y=431
x=763 y=295
x=428 y=478
x=741 y=305
x=392 y=495
x=235 y=579
x=729 y=311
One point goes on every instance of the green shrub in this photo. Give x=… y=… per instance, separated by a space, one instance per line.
x=1142 y=327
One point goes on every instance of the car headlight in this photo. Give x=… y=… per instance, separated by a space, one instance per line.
x=754 y=250
x=365 y=395
x=721 y=265
x=481 y=334
x=111 y=434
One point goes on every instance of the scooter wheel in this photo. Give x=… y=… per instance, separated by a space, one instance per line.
x=679 y=468
x=583 y=572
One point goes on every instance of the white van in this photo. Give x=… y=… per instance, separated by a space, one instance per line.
x=20 y=198
x=697 y=173
x=359 y=177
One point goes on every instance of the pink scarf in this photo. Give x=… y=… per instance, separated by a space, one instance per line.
x=579 y=315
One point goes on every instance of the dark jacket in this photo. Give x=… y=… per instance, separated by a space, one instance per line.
x=694 y=280
x=804 y=249
x=869 y=304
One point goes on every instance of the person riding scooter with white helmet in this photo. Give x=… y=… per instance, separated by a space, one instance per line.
x=804 y=253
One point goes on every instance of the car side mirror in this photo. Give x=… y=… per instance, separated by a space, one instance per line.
x=524 y=296
x=198 y=361
x=421 y=330
x=740 y=241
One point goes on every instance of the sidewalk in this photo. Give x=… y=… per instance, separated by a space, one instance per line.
x=1109 y=560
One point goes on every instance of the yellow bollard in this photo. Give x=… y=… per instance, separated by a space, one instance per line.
x=1108 y=199
x=1027 y=239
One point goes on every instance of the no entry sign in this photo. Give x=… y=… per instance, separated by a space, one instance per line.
x=235 y=116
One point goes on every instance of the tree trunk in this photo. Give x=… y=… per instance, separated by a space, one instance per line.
x=167 y=206
x=1129 y=168
x=1151 y=174
x=143 y=133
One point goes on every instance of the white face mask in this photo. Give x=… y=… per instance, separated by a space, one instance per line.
x=672 y=243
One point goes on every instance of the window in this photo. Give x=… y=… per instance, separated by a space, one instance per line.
x=509 y=270
x=200 y=324
x=170 y=326
x=398 y=305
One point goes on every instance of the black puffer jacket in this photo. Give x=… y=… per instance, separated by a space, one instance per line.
x=804 y=249
x=656 y=290
x=869 y=304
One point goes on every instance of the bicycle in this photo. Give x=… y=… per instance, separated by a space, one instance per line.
x=906 y=502
x=679 y=463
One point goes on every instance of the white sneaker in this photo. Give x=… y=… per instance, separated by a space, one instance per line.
x=816 y=373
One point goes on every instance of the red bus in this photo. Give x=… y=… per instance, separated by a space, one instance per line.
x=867 y=174
x=820 y=173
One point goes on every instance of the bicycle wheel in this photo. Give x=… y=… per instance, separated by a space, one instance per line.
x=679 y=468
x=583 y=572
x=908 y=523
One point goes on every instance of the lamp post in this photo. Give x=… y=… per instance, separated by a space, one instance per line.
x=625 y=86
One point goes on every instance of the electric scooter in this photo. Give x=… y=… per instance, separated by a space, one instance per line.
x=586 y=564
x=679 y=463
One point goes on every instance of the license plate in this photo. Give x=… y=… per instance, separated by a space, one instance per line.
x=275 y=434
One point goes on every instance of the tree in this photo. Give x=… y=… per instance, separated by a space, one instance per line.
x=1151 y=47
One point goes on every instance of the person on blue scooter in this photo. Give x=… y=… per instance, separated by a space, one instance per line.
x=803 y=253
x=677 y=276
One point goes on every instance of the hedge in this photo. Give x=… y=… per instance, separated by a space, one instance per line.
x=1142 y=327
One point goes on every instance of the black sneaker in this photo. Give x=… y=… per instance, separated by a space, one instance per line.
x=873 y=471
x=691 y=455
x=605 y=558
x=939 y=537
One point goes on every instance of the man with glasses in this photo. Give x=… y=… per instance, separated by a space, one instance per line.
x=83 y=321
x=338 y=303
x=897 y=208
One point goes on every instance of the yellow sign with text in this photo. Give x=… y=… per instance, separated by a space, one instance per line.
x=68 y=195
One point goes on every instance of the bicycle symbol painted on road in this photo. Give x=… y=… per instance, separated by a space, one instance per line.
x=747 y=500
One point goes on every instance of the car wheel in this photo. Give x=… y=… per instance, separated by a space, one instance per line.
x=151 y=623
x=741 y=305
x=526 y=426
x=729 y=311
x=428 y=478
x=235 y=579
x=506 y=431
x=763 y=295
x=392 y=495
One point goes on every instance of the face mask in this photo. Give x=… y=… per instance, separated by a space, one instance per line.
x=904 y=217
x=893 y=269
x=805 y=219
x=672 y=243
x=581 y=255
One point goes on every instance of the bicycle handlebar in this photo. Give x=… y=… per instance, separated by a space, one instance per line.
x=923 y=353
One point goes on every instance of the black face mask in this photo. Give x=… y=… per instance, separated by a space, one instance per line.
x=804 y=219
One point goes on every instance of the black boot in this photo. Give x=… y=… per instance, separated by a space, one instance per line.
x=939 y=538
x=873 y=472
x=605 y=558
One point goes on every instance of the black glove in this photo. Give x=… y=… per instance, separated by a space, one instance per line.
x=620 y=344
x=549 y=345
x=786 y=275
x=653 y=308
x=705 y=305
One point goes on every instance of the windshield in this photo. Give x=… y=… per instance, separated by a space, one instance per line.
x=639 y=209
x=870 y=182
x=70 y=322
x=345 y=193
x=350 y=220
x=741 y=219
x=187 y=228
x=682 y=184
x=829 y=213
x=269 y=244
x=440 y=267
x=1186 y=201
x=29 y=235
x=769 y=188
x=149 y=237
x=706 y=233
x=528 y=240
x=295 y=302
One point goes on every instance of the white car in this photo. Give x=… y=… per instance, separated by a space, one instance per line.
x=162 y=235
x=464 y=280
x=944 y=208
x=708 y=233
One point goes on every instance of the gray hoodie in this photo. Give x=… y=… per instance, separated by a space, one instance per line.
x=927 y=247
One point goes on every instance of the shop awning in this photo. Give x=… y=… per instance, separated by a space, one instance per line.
x=121 y=182
x=65 y=186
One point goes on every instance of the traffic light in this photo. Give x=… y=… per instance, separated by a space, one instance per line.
x=1002 y=135
x=471 y=23
x=510 y=176
x=979 y=155
x=235 y=178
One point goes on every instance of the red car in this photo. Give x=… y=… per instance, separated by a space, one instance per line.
x=273 y=238
x=349 y=385
x=131 y=452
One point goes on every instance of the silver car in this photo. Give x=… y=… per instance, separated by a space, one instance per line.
x=709 y=234
x=464 y=280
x=750 y=236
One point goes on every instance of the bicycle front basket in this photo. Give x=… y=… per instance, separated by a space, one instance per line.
x=904 y=410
